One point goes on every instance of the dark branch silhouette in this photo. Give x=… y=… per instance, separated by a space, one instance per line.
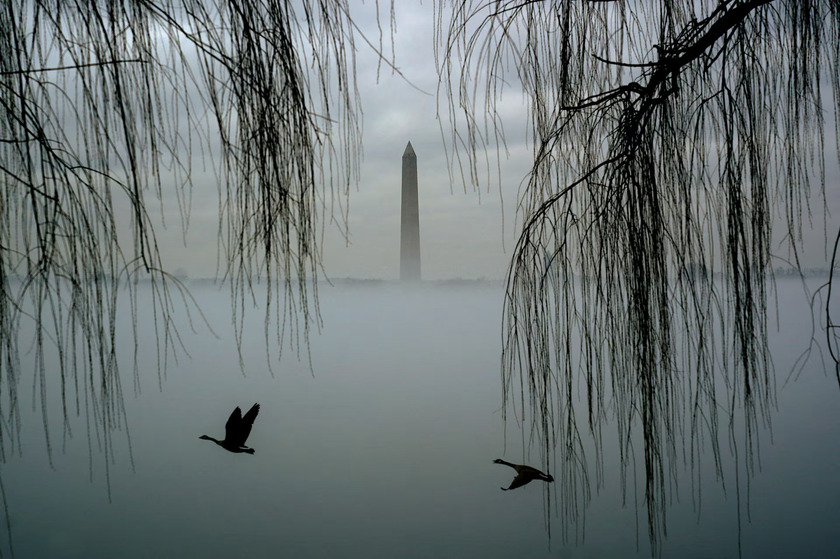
x=110 y=112
x=671 y=140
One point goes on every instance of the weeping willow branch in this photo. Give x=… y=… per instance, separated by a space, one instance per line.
x=669 y=138
x=106 y=110
x=831 y=325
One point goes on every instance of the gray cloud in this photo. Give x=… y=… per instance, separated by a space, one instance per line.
x=464 y=232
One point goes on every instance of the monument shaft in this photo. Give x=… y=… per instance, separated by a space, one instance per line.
x=410 y=218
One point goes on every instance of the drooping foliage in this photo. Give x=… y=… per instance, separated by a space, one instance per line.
x=672 y=141
x=110 y=114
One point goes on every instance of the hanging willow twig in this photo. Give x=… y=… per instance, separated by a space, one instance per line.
x=107 y=109
x=669 y=139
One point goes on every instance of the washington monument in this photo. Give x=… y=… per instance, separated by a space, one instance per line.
x=410 y=234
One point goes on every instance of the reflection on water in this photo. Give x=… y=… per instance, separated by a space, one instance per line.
x=387 y=451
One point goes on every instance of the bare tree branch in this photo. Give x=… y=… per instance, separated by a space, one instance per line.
x=666 y=135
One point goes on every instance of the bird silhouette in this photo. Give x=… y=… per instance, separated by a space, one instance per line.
x=524 y=474
x=237 y=430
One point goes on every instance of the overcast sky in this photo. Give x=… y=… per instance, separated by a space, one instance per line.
x=463 y=234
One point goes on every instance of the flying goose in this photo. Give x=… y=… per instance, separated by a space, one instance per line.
x=237 y=430
x=524 y=474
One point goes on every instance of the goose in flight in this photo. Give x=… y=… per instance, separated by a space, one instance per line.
x=524 y=474
x=237 y=430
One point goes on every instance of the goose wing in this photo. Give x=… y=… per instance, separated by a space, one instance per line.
x=232 y=426
x=243 y=425
x=523 y=478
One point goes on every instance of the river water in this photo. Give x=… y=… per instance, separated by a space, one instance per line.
x=384 y=448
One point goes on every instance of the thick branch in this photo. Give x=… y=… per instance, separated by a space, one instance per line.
x=672 y=64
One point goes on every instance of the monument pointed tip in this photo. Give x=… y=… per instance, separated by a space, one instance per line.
x=408 y=150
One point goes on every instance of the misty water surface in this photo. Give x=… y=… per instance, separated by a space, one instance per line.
x=387 y=451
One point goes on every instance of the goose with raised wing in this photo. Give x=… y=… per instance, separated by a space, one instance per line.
x=237 y=430
x=524 y=474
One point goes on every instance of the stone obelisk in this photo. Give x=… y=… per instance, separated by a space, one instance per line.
x=410 y=232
